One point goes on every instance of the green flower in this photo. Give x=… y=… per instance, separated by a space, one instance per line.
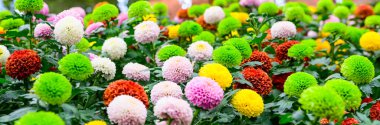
x=169 y=51
x=196 y=10
x=268 y=8
x=87 y=19
x=189 y=28
x=353 y=34
x=227 y=25
x=309 y=42
x=221 y=3
x=323 y=102
x=264 y=28
x=349 y=4
x=372 y=21
x=52 y=88
x=139 y=9
x=227 y=55
x=304 y=6
x=294 y=13
x=349 y=92
x=76 y=66
x=242 y=45
x=4 y=14
x=235 y=7
x=11 y=23
x=334 y=27
x=300 y=51
x=358 y=69
x=325 y=6
x=307 y=19
x=342 y=12
x=29 y=5
x=205 y=36
x=160 y=9
x=296 y=83
x=83 y=45
x=376 y=9
x=105 y=12
x=40 y=118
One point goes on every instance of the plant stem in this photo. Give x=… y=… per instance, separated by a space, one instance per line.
x=31 y=31
x=169 y=121
x=67 y=49
x=195 y=114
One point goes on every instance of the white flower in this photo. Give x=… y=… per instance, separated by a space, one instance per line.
x=283 y=29
x=104 y=66
x=164 y=89
x=146 y=32
x=127 y=110
x=68 y=30
x=214 y=14
x=185 y=3
x=200 y=51
x=115 y=48
x=136 y=71
x=4 y=54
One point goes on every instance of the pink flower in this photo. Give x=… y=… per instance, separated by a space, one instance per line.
x=66 y=13
x=44 y=10
x=91 y=28
x=43 y=30
x=165 y=89
x=127 y=110
x=312 y=34
x=332 y=18
x=146 y=32
x=121 y=18
x=92 y=56
x=51 y=18
x=79 y=10
x=176 y=109
x=178 y=20
x=177 y=69
x=204 y=92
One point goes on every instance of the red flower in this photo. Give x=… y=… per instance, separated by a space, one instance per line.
x=362 y=11
x=279 y=80
x=201 y=21
x=350 y=121
x=261 y=83
x=282 y=50
x=324 y=121
x=125 y=87
x=22 y=63
x=261 y=57
x=374 y=112
x=367 y=100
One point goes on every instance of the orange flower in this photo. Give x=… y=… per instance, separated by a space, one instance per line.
x=282 y=50
x=2 y=30
x=261 y=57
x=125 y=87
x=201 y=21
x=362 y=11
x=261 y=82
x=22 y=63
x=100 y=4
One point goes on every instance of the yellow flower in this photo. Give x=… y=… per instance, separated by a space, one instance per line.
x=2 y=30
x=370 y=41
x=92 y=43
x=217 y=72
x=96 y=122
x=325 y=34
x=249 y=29
x=173 y=31
x=235 y=33
x=248 y=103
x=339 y=42
x=312 y=9
x=150 y=17
x=241 y=16
x=325 y=45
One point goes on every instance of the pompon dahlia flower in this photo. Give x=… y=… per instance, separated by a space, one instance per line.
x=260 y=57
x=169 y=51
x=370 y=41
x=29 y=5
x=213 y=14
x=323 y=102
x=283 y=29
x=52 y=88
x=177 y=109
x=205 y=36
x=164 y=89
x=40 y=118
x=374 y=112
x=261 y=82
x=349 y=92
x=4 y=54
x=68 y=31
x=121 y=18
x=201 y=21
x=43 y=31
x=362 y=11
x=22 y=63
x=96 y=122
x=200 y=51
x=76 y=66
x=242 y=45
x=67 y=13
x=282 y=50
x=105 y=12
x=279 y=80
x=136 y=71
x=248 y=103
x=146 y=32
x=139 y=9
x=115 y=48
x=105 y=67
x=125 y=87
x=350 y=121
x=218 y=73
x=296 y=83
x=93 y=27
x=227 y=55
x=79 y=10
x=177 y=69
x=173 y=31
x=204 y=92
x=358 y=69
x=127 y=110
x=44 y=10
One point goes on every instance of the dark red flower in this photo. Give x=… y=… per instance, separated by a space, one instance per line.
x=362 y=11
x=367 y=100
x=201 y=21
x=282 y=50
x=260 y=57
x=125 y=87
x=279 y=80
x=261 y=82
x=350 y=121
x=22 y=63
x=374 y=112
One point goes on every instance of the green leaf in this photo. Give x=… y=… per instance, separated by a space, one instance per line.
x=253 y=63
x=334 y=76
x=285 y=119
x=17 y=114
x=366 y=89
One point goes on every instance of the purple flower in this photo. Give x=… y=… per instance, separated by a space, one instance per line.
x=204 y=92
x=43 y=30
x=91 y=28
x=121 y=18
